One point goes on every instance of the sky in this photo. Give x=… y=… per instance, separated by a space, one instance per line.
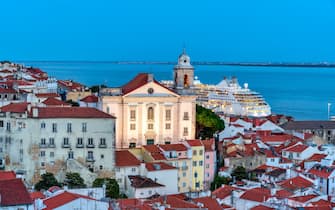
x=152 y=30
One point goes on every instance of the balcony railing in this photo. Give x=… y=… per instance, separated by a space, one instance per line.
x=102 y=146
x=90 y=145
x=80 y=145
x=43 y=145
x=66 y=145
x=90 y=159
x=51 y=145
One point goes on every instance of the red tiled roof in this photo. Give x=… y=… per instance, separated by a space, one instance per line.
x=175 y=202
x=61 y=199
x=71 y=85
x=296 y=148
x=36 y=195
x=303 y=198
x=321 y=171
x=70 y=112
x=296 y=183
x=158 y=166
x=322 y=203
x=143 y=182
x=13 y=192
x=55 y=102
x=283 y=194
x=173 y=147
x=224 y=191
x=261 y=207
x=194 y=143
x=15 y=107
x=208 y=202
x=209 y=145
x=158 y=156
x=5 y=71
x=125 y=158
x=316 y=157
x=6 y=175
x=257 y=194
x=152 y=148
x=90 y=99
x=276 y=138
x=47 y=95
x=131 y=203
x=7 y=90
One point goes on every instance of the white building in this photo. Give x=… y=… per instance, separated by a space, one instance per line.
x=35 y=140
x=143 y=187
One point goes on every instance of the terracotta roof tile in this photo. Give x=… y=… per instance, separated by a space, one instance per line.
x=321 y=171
x=283 y=194
x=208 y=202
x=158 y=166
x=125 y=158
x=317 y=157
x=303 y=198
x=70 y=112
x=36 y=195
x=143 y=182
x=175 y=202
x=209 y=145
x=173 y=147
x=194 y=143
x=61 y=199
x=7 y=90
x=15 y=107
x=296 y=183
x=55 y=102
x=296 y=148
x=224 y=191
x=6 y=175
x=90 y=99
x=261 y=207
x=47 y=95
x=257 y=194
x=152 y=148
x=13 y=192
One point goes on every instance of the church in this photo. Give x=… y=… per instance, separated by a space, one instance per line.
x=148 y=112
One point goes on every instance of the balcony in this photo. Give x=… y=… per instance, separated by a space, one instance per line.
x=51 y=145
x=90 y=159
x=90 y=145
x=66 y=145
x=43 y=145
x=79 y=146
x=102 y=145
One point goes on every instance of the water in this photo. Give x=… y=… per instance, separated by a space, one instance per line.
x=300 y=92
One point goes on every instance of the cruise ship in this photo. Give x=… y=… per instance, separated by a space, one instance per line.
x=229 y=98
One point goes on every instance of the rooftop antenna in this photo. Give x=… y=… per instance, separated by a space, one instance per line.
x=184 y=48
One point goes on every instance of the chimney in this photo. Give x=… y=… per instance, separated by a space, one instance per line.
x=150 y=77
x=35 y=111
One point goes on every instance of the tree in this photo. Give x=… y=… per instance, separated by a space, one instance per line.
x=47 y=180
x=207 y=122
x=74 y=180
x=112 y=187
x=218 y=181
x=239 y=173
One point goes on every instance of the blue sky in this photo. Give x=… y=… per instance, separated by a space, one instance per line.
x=222 y=30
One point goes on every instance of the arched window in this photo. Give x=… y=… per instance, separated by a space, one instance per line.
x=107 y=110
x=150 y=113
x=186 y=80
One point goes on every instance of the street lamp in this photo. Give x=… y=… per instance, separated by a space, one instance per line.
x=329 y=104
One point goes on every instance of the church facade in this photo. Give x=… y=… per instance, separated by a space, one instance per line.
x=148 y=112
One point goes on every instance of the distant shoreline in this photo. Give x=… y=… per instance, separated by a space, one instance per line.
x=204 y=63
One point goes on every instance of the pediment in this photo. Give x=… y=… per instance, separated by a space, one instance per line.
x=152 y=89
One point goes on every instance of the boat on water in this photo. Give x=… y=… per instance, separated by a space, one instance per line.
x=229 y=98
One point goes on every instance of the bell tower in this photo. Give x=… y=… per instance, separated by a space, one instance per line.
x=183 y=73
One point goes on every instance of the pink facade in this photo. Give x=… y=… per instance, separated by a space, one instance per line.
x=210 y=162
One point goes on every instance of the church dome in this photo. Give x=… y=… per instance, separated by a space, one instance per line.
x=184 y=60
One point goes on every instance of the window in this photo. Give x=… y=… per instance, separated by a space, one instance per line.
x=200 y=163
x=272 y=160
x=201 y=152
x=1 y=123
x=150 y=141
x=69 y=127
x=102 y=156
x=90 y=155
x=284 y=153
x=184 y=184
x=42 y=125
x=186 y=117
x=167 y=142
x=8 y=126
x=66 y=141
x=132 y=115
x=102 y=141
x=54 y=127
x=194 y=163
x=90 y=142
x=195 y=174
x=150 y=192
x=70 y=154
x=194 y=152
x=79 y=141
x=51 y=141
x=185 y=131
x=132 y=145
x=42 y=153
x=168 y=114
x=52 y=154
x=207 y=174
x=132 y=126
x=298 y=154
x=167 y=126
x=184 y=174
x=207 y=165
x=150 y=113
x=133 y=169
x=101 y=167
x=43 y=141
x=107 y=110
x=21 y=151
x=42 y=164
x=150 y=126
x=207 y=156
x=84 y=127
x=119 y=180
x=117 y=169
